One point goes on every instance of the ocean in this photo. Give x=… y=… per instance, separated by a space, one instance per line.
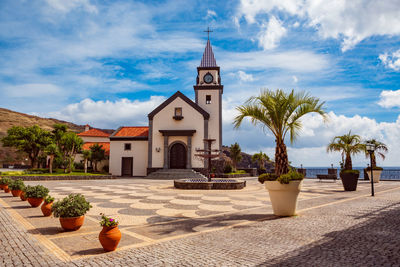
x=388 y=173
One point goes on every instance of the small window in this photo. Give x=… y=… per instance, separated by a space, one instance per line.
x=208 y=99
x=127 y=146
x=178 y=112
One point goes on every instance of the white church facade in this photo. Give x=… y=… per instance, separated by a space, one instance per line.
x=176 y=129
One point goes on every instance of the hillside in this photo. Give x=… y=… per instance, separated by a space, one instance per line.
x=9 y=118
x=246 y=161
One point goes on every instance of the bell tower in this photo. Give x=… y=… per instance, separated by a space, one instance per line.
x=208 y=91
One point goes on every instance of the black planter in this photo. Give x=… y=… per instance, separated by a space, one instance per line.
x=349 y=181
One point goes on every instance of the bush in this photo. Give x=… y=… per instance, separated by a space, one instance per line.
x=107 y=221
x=38 y=191
x=17 y=185
x=74 y=205
x=375 y=168
x=228 y=168
x=350 y=171
x=36 y=171
x=79 y=166
x=5 y=181
x=267 y=177
x=106 y=168
x=49 y=199
x=283 y=179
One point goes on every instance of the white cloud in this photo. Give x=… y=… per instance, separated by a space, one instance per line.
x=34 y=90
x=109 y=114
x=243 y=76
x=391 y=61
x=66 y=6
x=295 y=79
x=271 y=34
x=211 y=14
x=389 y=99
x=349 y=21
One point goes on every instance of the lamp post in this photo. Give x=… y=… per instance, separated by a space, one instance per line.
x=371 y=148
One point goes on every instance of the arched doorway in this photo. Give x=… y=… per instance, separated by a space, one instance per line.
x=177 y=156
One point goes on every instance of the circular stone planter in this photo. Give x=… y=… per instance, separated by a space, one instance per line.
x=109 y=237
x=35 y=201
x=16 y=193
x=219 y=184
x=73 y=223
x=283 y=196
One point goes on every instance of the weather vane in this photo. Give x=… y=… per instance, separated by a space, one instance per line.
x=208 y=32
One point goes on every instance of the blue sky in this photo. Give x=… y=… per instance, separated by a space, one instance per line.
x=109 y=63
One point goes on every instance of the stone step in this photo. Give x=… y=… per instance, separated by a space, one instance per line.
x=172 y=174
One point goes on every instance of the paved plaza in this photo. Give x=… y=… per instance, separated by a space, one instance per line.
x=163 y=226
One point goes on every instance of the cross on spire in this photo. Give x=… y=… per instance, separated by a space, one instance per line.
x=208 y=32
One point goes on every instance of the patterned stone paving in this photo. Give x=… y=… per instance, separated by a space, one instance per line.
x=153 y=212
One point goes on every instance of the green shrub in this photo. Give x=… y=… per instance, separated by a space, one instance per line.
x=107 y=221
x=5 y=181
x=228 y=168
x=350 y=171
x=36 y=171
x=240 y=171
x=290 y=176
x=267 y=177
x=74 y=205
x=49 y=199
x=79 y=165
x=38 y=191
x=376 y=168
x=17 y=185
x=106 y=168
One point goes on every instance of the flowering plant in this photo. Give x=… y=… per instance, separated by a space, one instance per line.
x=107 y=221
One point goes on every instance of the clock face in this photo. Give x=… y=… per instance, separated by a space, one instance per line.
x=208 y=78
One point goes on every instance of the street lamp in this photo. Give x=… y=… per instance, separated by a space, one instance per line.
x=371 y=148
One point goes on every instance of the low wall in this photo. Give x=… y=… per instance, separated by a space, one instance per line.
x=59 y=177
x=239 y=175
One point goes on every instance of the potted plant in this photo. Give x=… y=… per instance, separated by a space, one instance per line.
x=380 y=149
x=22 y=196
x=16 y=187
x=5 y=182
x=36 y=194
x=110 y=235
x=348 y=144
x=71 y=210
x=46 y=206
x=280 y=112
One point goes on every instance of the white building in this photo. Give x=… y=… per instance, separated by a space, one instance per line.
x=176 y=128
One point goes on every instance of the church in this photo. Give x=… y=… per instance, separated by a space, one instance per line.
x=176 y=129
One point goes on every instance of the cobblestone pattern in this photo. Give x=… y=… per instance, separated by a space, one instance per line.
x=59 y=177
x=18 y=248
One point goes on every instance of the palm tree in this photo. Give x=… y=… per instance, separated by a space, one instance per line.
x=260 y=158
x=279 y=112
x=380 y=149
x=235 y=154
x=348 y=144
x=51 y=151
x=87 y=155
x=97 y=154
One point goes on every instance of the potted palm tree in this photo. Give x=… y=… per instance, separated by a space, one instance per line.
x=348 y=144
x=380 y=149
x=71 y=210
x=280 y=112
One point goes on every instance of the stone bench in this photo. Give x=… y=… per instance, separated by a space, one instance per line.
x=327 y=177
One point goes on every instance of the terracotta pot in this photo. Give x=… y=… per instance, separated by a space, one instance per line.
x=22 y=196
x=35 y=201
x=6 y=189
x=349 y=181
x=2 y=186
x=283 y=196
x=73 y=223
x=109 y=237
x=46 y=209
x=16 y=193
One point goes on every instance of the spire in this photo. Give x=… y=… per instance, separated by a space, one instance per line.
x=208 y=59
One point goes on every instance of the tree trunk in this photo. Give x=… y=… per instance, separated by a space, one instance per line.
x=33 y=161
x=348 y=165
x=51 y=163
x=373 y=160
x=281 y=158
x=95 y=166
x=85 y=165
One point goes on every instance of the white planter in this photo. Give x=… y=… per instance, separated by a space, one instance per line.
x=283 y=196
x=377 y=175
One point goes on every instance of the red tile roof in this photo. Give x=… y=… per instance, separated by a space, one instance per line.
x=133 y=131
x=106 y=146
x=94 y=133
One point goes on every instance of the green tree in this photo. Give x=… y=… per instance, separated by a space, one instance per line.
x=279 y=112
x=58 y=132
x=380 y=150
x=348 y=144
x=87 y=155
x=31 y=140
x=70 y=145
x=98 y=154
x=235 y=154
x=260 y=158
x=51 y=150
